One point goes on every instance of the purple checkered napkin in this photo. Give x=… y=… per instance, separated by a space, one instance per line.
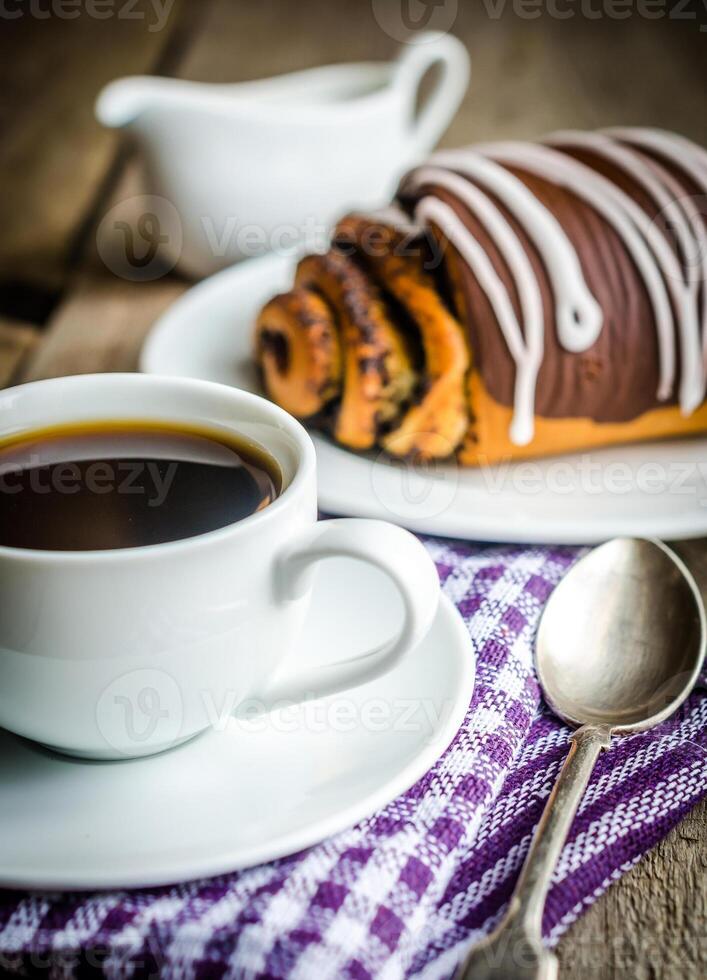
x=404 y=892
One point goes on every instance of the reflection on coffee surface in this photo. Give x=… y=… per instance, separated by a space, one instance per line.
x=105 y=485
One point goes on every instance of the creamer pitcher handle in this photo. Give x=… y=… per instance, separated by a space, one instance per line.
x=421 y=54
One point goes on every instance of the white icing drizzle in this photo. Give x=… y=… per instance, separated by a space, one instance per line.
x=527 y=351
x=691 y=159
x=683 y=297
x=577 y=313
x=599 y=193
x=686 y=155
x=477 y=175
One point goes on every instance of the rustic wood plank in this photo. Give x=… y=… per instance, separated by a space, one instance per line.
x=54 y=156
x=17 y=341
x=652 y=923
x=102 y=320
x=533 y=76
x=100 y=327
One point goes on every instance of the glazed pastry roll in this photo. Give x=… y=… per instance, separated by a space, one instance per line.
x=550 y=297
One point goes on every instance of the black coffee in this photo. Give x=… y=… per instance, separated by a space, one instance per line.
x=106 y=485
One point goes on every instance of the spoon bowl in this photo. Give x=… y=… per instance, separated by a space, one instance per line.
x=622 y=638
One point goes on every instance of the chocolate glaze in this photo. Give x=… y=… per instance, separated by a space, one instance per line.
x=617 y=378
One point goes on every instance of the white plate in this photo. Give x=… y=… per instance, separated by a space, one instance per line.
x=249 y=791
x=657 y=489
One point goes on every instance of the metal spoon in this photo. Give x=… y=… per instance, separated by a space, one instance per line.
x=619 y=647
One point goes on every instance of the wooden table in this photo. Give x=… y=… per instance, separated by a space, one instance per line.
x=62 y=311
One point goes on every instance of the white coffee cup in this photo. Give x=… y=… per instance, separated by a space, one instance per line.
x=122 y=653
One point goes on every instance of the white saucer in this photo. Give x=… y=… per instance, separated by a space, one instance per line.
x=655 y=489
x=256 y=790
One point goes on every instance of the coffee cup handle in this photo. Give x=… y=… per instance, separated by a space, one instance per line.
x=425 y=51
x=397 y=553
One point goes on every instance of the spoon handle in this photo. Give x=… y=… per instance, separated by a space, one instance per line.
x=514 y=951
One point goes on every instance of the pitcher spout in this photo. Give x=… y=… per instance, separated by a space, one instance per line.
x=123 y=101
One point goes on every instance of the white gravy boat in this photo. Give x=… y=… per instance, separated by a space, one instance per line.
x=258 y=166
